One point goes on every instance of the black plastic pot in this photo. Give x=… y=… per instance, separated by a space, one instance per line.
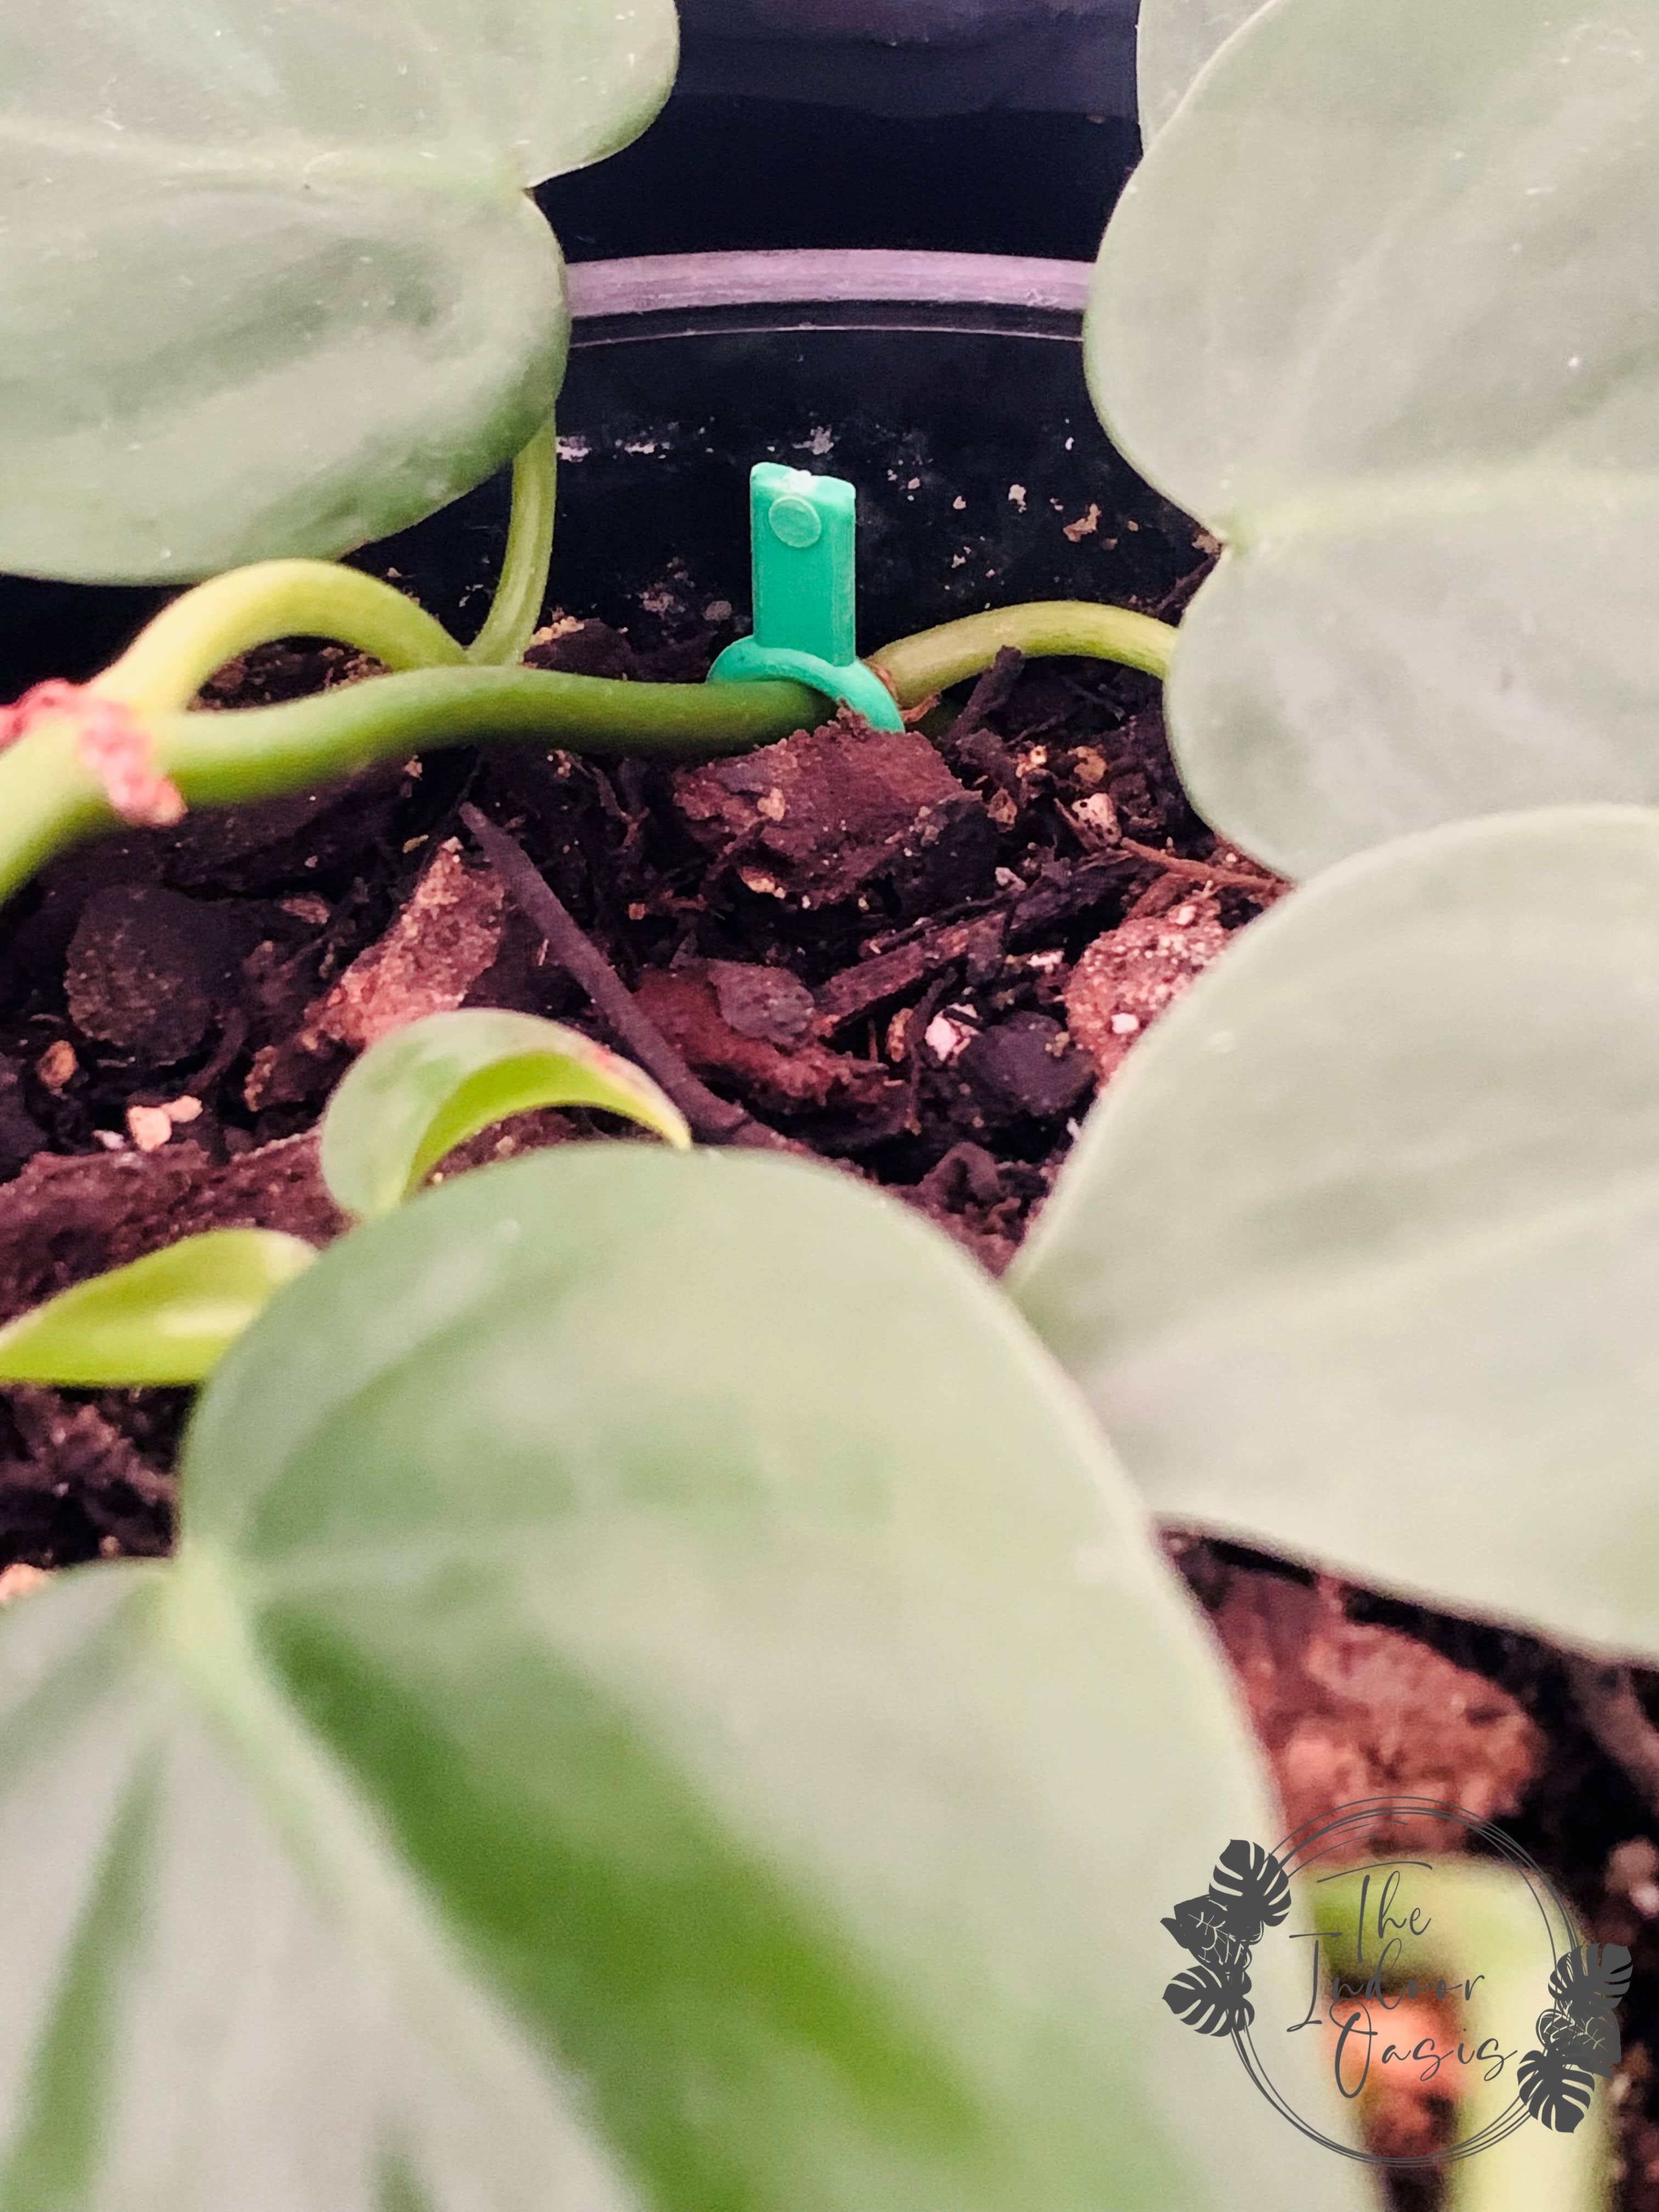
x=948 y=387
x=738 y=173
x=967 y=126
x=917 y=56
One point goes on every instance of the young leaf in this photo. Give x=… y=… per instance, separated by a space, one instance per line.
x=1358 y=1257
x=664 y=1701
x=269 y=280
x=1174 y=39
x=1376 y=307
x=415 y=1096
x=169 y=1317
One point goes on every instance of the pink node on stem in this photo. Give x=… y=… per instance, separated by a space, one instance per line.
x=113 y=743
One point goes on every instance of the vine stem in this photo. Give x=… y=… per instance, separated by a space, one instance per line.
x=521 y=587
x=934 y=660
x=258 y=751
x=50 y=800
x=436 y=696
x=195 y=634
x=171 y=658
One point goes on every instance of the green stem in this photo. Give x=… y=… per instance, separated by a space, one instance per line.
x=49 y=800
x=168 y=662
x=919 y=667
x=225 y=759
x=173 y=657
x=521 y=587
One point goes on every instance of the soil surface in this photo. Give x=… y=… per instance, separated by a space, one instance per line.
x=918 y=955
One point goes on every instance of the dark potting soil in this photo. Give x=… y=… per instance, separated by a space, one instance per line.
x=917 y=955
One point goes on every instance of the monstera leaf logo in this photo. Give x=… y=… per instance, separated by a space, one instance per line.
x=1252 y=1888
x=1553 y=2090
x=1586 y=1985
x=1211 y=1999
x=1198 y=1925
x=1249 y=1893
x=1578 y=2035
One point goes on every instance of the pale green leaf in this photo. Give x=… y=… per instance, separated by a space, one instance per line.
x=1174 y=39
x=664 y=1702
x=559 y=83
x=412 y=1098
x=1379 y=308
x=1358 y=1259
x=1484 y=1909
x=169 y=1317
x=268 y=281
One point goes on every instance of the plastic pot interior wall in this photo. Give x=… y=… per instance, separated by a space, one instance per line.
x=948 y=387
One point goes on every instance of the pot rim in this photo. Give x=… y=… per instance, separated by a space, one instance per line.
x=842 y=287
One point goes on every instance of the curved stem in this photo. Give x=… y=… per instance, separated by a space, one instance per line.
x=49 y=801
x=917 y=667
x=50 y=798
x=224 y=759
x=521 y=587
x=171 y=658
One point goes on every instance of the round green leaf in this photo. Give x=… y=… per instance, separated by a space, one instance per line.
x=664 y=1702
x=1174 y=39
x=1378 y=307
x=169 y=1317
x=412 y=1098
x=1358 y=1257
x=268 y=281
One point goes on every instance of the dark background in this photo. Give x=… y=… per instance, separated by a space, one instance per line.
x=992 y=126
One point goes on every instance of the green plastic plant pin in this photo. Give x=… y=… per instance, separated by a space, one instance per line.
x=802 y=537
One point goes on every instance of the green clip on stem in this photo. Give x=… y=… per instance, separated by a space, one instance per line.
x=802 y=530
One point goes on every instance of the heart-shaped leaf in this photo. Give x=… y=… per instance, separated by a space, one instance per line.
x=658 y=1706
x=1358 y=1256
x=169 y=1317
x=416 y=1094
x=1174 y=39
x=268 y=281
x=1377 y=307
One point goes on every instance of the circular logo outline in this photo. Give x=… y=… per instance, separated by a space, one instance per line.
x=1250 y=1891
